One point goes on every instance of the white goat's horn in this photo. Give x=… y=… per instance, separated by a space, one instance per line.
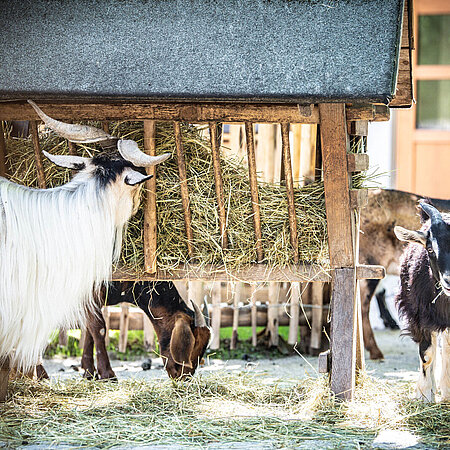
x=68 y=161
x=80 y=134
x=130 y=151
x=199 y=318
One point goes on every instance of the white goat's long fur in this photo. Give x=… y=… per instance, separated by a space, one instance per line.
x=55 y=246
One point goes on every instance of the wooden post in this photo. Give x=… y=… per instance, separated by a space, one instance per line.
x=294 y=313
x=2 y=151
x=149 y=334
x=254 y=314
x=297 y=151
x=62 y=338
x=82 y=337
x=37 y=154
x=289 y=189
x=237 y=292
x=316 y=320
x=215 y=320
x=150 y=224
x=4 y=377
x=123 y=332
x=183 y=186
x=106 y=317
x=254 y=189
x=218 y=184
x=333 y=130
x=272 y=314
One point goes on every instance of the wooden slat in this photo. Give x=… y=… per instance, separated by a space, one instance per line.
x=254 y=321
x=37 y=155
x=187 y=112
x=106 y=317
x=62 y=338
x=333 y=132
x=358 y=128
x=254 y=273
x=215 y=319
x=343 y=347
x=359 y=198
x=123 y=333
x=4 y=378
x=286 y=153
x=218 y=183
x=150 y=220
x=294 y=312
x=272 y=314
x=316 y=321
x=149 y=334
x=357 y=162
x=254 y=189
x=324 y=362
x=195 y=292
x=183 y=186
x=2 y=152
x=82 y=337
x=237 y=293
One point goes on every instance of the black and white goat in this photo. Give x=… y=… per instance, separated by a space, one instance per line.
x=56 y=245
x=424 y=296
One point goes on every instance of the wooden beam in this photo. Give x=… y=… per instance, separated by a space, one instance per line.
x=358 y=127
x=334 y=142
x=357 y=162
x=150 y=220
x=186 y=112
x=3 y=152
x=218 y=184
x=37 y=155
x=286 y=155
x=343 y=343
x=359 y=198
x=254 y=273
x=183 y=186
x=254 y=189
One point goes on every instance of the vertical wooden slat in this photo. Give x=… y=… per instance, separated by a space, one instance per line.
x=289 y=188
x=294 y=312
x=82 y=337
x=123 y=332
x=2 y=151
x=272 y=313
x=106 y=317
x=149 y=334
x=254 y=189
x=218 y=183
x=237 y=292
x=297 y=147
x=4 y=378
x=150 y=223
x=316 y=320
x=62 y=338
x=183 y=186
x=254 y=314
x=195 y=292
x=215 y=320
x=37 y=154
x=105 y=126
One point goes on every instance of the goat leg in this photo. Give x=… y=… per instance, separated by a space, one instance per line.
x=87 y=359
x=367 y=290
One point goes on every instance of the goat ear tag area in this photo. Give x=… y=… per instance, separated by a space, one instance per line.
x=182 y=343
x=133 y=178
x=419 y=237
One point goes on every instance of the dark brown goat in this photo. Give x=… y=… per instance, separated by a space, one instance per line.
x=182 y=332
x=378 y=244
x=424 y=296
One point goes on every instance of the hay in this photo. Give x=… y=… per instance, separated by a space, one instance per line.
x=217 y=407
x=172 y=241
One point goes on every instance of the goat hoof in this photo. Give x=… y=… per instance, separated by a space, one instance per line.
x=88 y=375
x=377 y=355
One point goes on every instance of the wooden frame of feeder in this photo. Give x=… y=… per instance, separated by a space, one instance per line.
x=342 y=203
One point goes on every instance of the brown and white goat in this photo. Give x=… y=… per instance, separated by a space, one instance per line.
x=424 y=296
x=183 y=334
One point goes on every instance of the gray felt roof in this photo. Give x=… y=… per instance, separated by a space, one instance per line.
x=281 y=50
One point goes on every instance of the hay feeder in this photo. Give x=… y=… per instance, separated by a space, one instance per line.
x=258 y=62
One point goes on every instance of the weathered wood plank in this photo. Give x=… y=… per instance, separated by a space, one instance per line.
x=316 y=321
x=254 y=273
x=237 y=293
x=4 y=378
x=218 y=184
x=359 y=198
x=37 y=155
x=294 y=312
x=357 y=162
x=333 y=132
x=358 y=128
x=324 y=363
x=254 y=314
x=215 y=319
x=286 y=155
x=124 y=321
x=187 y=112
x=149 y=333
x=183 y=186
x=343 y=343
x=272 y=314
x=150 y=220
x=254 y=189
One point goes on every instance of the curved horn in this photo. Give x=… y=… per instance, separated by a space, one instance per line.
x=130 y=151
x=199 y=320
x=68 y=161
x=432 y=212
x=74 y=133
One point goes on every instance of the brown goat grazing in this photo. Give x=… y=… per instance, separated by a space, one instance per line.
x=183 y=334
x=378 y=244
x=424 y=296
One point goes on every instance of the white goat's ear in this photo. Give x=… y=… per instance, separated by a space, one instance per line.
x=419 y=237
x=68 y=161
x=133 y=178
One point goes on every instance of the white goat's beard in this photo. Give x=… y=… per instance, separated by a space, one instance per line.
x=56 y=247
